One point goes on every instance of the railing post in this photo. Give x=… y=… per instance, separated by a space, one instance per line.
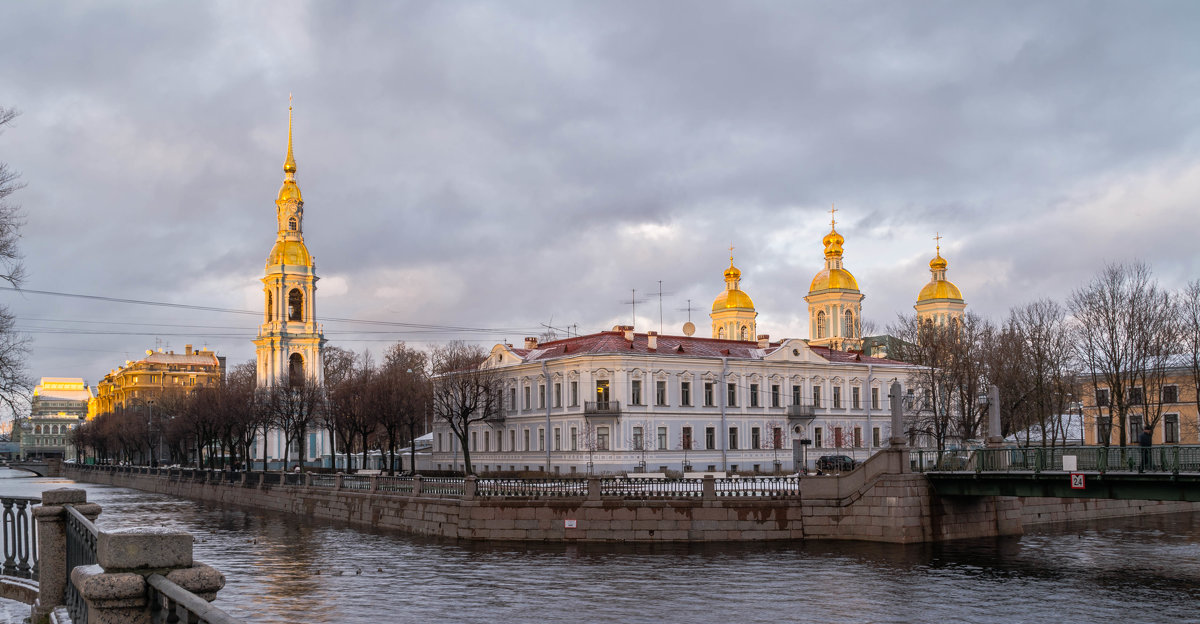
x=115 y=588
x=374 y=483
x=708 y=489
x=52 y=546
x=469 y=485
x=337 y=483
x=593 y=488
x=417 y=484
x=308 y=479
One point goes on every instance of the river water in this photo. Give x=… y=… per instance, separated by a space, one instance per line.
x=280 y=568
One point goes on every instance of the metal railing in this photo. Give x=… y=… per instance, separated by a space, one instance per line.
x=396 y=485
x=601 y=407
x=171 y=603
x=445 y=486
x=652 y=488
x=530 y=488
x=356 y=482
x=1173 y=459
x=759 y=487
x=81 y=550
x=20 y=537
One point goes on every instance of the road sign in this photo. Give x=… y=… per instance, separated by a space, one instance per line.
x=1077 y=481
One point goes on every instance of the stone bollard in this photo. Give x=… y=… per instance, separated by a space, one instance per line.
x=593 y=488
x=51 y=519
x=708 y=488
x=115 y=588
x=308 y=479
x=469 y=485
x=417 y=483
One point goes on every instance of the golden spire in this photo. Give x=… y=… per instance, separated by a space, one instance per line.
x=833 y=241
x=938 y=263
x=289 y=165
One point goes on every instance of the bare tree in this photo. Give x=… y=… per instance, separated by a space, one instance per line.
x=293 y=409
x=588 y=439
x=1188 y=313
x=15 y=385
x=1046 y=348
x=775 y=438
x=339 y=374
x=641 y=441
x=404 y=380
x=465 y=391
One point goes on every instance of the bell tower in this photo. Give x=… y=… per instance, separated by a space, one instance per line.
x=289 y=340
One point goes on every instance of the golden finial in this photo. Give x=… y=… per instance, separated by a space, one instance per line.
x=731 y=253
x=289 y=165
x=832 y=217
x=937 y=237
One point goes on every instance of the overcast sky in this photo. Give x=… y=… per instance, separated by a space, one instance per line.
x=503 y=165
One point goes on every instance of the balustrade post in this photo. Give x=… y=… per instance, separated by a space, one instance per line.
x=417 y=485
x=52 y=546
x=469 y=485
x=308 y=479
x=708 y=489
x=337 y=482
x=374 y=483
x=115 y=588
x=593 y=488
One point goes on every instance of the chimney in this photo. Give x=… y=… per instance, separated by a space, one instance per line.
x=187 y=349
x=652 y=340
x=764 y=341
x=628 y=332
x=531 y=342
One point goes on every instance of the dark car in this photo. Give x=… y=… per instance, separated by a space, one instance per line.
x=836 y=463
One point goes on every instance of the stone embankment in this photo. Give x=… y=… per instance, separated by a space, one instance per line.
x=879 y=502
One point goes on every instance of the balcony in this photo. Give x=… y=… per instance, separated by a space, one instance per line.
x=801 y=411
x=605 y=408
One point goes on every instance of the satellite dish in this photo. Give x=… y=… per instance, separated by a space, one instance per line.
x=689 y=328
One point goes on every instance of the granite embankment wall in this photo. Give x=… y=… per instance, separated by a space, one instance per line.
x=875 y=503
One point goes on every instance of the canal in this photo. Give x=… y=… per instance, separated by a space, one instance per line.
x=280 y=568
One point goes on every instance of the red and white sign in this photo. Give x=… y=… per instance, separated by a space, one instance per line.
x=570 y=524
x=1077 y=481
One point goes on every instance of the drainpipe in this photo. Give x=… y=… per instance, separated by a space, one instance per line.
x=546 y=400
x=870 y=432
x=724 y=390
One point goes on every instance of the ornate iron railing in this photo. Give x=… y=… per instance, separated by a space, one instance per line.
x=1172 y=459
x=323 y=480
x=758 y=487
x=397 y=485
x=532 y=488
x=652 y=488
x=171 y=603
x=444 y=486
x=20 y=537
x=356 y=482
x=81 y=550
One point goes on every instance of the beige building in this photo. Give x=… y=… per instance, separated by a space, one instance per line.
x=160 y=372
x=59 y=404
x=1169 y=408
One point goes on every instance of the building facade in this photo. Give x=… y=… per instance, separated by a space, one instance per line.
x=1168 y=405
x=58 y=406
x=142 y=382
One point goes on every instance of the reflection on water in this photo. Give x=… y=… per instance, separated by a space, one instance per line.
x=280 y=568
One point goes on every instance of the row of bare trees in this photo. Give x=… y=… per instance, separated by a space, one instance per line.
x=1118 y=341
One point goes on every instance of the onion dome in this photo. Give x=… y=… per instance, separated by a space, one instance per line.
x=292 y=252
x=733 y=297
x=833 y=276
x=939 y=287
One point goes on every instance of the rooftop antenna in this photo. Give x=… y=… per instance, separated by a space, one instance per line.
x=633 y=301
x=660 y=314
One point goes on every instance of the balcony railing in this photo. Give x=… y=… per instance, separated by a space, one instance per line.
x=801 y=411
x=602 y=407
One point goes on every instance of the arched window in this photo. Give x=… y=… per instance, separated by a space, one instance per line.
x=292 y=224
x=822 y=331
x=270 y=307
x=744 y=332
x=295 y=305
x=850 y=329
x=721 y=332
x=37 y=428
x=296 y=370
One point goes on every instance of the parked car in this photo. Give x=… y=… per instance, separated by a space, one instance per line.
x=835 y=463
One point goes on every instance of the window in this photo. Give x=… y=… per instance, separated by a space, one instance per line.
x=709 y=399
x=512 y=440
x=526 y=439
x=744 y=334
x=817 y=437
x=731 y=390
x=574 y=394
x=635 y=393
x=874 y=398
x=856 y=397
x=685 y=393
x=849 y=328
x=774 y=395
x=839 y=437
x=1102 y=397
x=796 y=400
x=558 y=394
x=474 y=439
x=754 y=395
x=638 y=439
x=574 y=438
x=685 y=438
x=662 y=438
x=710 y=437
x=777 y=437
x=295 y=305
x=1171 y=428
x=1170 y=394
x=858 y=437
x=837 y=397
x=1135 y=427
x=270 y=307
x=512 y=399
x=733 y=438
x=601 y=438
x=292 y=223
x=821 y=331
x=487 y=441
x=660 y=392
x=542 y=396
x=541 y=439
x=525 y=401
x=875 y=437
x=816 y=396
x=755 y=438
x=557 y=439
x=1136 y=397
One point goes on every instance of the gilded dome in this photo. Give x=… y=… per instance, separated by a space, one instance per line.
x=291 y=252
x=830 y=279
x=833 y=243
x=732 y=299
x=939 y=289
x=938 y=263
x=732 y=273
x=289 y=191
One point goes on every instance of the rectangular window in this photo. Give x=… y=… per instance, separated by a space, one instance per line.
x=541 y=439
x=858 y=437
x=796 y=399
x=601 y=438
x=512 y=399
x=837 y=397
x=526 y=439
x=558 y=394
x=710 y=437
x=528 y=391
x=818 y=438
x=839 y=437
x=816 y=396
x=777 y=437
x=662 y=438
x=574 y=438
x=541 y=402
x=1135 y=427
x=512 y=439
x=487 y=441
x=557 y=439
x=875 y=398
x=755 y=438
x=1170 y=394
x=1136 y=397
x=438 y=448
x=574 y=394
x=753 y=395
x=774 y=395
x=1171 y=429
x=638 y=438
x=685 y=393
x=733 y=438
x=635 y=392
x=685 y=438
x=856 y=397
x=1102 y=397
x=875 y=437
x=660 y=392
x=731 y=390
x=709 y=399
x=474 y=439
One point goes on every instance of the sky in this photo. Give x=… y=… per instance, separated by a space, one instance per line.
x=502 y=166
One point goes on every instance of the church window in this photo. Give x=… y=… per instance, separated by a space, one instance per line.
x=270 y=307
x=295 y=305
x=296 y=371
x=821 y=331
x=721 y=332
x=849 y=332
x=292 y=224
x=743 y=333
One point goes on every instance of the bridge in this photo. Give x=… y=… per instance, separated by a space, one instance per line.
x=1164 y=473
x=51 y=468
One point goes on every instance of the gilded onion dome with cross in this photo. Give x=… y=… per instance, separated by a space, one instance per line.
x=733 y=316
x=940 y=300
x=289 y=341
x=834 y=301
